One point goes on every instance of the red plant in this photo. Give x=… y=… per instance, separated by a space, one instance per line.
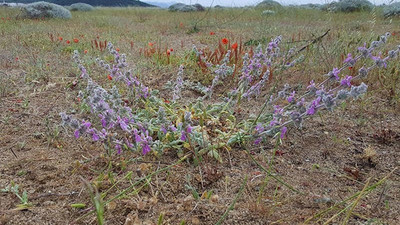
x=212 y=33
x=68 y=42
x=99 y=45
x=109 y=77
x=234 y=46
x=86 y=51
x=225 y=41
x=76 y=40
x=60 y=38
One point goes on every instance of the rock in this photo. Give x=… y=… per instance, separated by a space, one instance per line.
x=180 y=7
x=215 y=198
x=48 y=203
x=132 y=219
x=81 y=7
x=199 y=7
x=270 y=4
x=392 y=10
x=195 y=220
x=39 y=10
x=188 y=203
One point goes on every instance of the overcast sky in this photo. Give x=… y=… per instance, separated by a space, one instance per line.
x=252 y=2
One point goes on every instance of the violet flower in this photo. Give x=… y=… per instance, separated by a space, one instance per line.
x=313 y=107
x=346 y=81
x=334 y=74
x=283 y=132
x=291 y=97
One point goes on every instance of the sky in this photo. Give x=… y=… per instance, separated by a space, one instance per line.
x=234 y=3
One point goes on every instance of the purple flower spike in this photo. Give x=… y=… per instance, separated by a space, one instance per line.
x=162 y=129
x=273 y=123
x=335 y=73
x=346 y=81
x=95 y=137
x=283 y=132
x=349 y=58
x=259 y=128
x=257 y=141
x=76 y=134
x=312 y=85
x=118 y=148
x=86 y=124
x=172 y=128
x=314 y=104
x=189 y=129
x=379 y=61
x=137 y=136
x=291 y=97
x=183 y=136
x=129 y=144
x=146 y=149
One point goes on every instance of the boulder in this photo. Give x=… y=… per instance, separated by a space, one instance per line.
x=39 y=10
x=392 y=10
x=270 y=4
x=81 y=7
x=199 y=7
x=180 y=7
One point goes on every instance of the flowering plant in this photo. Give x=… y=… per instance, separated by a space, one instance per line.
x=149 y=123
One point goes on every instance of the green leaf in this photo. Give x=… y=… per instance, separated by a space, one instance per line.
x=24 y=199
x=214 y=153
x=78 y=205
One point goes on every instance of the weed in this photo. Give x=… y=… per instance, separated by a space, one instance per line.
x=14 y=189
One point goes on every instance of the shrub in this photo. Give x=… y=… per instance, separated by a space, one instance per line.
x=81 y=7
x=329 y=7
x=392 y=10
x=353 y=5
x=45 y=10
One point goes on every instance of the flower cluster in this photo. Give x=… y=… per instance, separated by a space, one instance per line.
x=317 y=97
x=150 y=123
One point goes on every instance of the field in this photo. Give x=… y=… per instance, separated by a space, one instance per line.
x=339 y=167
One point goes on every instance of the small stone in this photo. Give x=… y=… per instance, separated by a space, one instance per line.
x=111 y=206
x=195 y=221
x=188 y=202
x=48 y=203
x=132 y=219
x=215 y=198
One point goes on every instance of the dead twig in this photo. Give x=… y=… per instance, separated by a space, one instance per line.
x=315 y=40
